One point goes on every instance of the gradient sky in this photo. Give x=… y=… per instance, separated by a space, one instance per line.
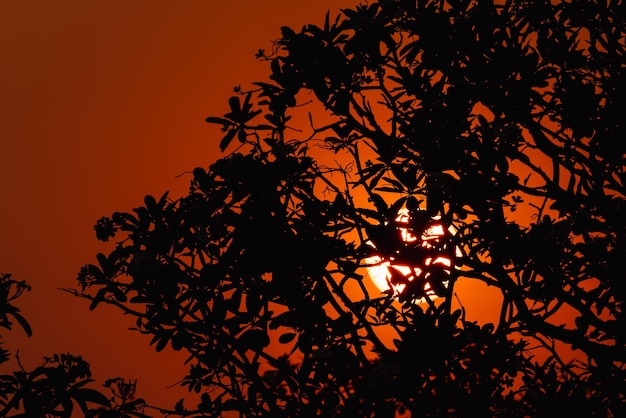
x=101 y=103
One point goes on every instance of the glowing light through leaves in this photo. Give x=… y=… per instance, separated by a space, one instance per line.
x=413 y=257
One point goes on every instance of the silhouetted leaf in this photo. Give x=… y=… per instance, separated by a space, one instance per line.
x=254 y=339
x=226 y=140
x=22 y=321
x=90 y=395
x=286 y=337
x=221 y=121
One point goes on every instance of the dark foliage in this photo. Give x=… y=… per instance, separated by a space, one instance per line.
x=49 y=390
x=59 y=387
x=502 y=119
x=10 y=290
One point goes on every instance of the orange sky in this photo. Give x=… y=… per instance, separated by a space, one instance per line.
x=102 y=103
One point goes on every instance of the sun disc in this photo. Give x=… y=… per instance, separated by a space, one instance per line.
x=380 y=270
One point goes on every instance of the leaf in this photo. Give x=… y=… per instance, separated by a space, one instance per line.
x=106 y=264
x=232 y=405
x=582 y=324
x=23 y=323
x=91 y=395
x=68 y=406
x=397 y=185
x=253 y=303
x=161 y=343
x=437 y=277
x=150 y=202
x=83 y=407
x=226 y=140
x=388 y=189
x=245 y=108
x=287 y=337
x=379 y=202
x=242 y=135
x=488 y=328
x=82 y=383
x=285 y=319
x=254 y=339
x=234 y=303
x=235 y=106
x=99 y=297
x=221 y=121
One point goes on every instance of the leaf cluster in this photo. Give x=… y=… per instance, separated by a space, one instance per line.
x=50 y=390
x=11 y=289
x=501 y=120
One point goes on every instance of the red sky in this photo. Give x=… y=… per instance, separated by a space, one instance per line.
x=102 y=103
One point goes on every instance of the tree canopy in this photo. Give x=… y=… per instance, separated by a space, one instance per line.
x=500 y=119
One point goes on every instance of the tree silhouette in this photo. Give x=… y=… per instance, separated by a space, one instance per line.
x=500 y=119
x=55 y=388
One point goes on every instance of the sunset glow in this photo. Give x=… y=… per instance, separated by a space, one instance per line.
x=382 y=270
x=332 y=208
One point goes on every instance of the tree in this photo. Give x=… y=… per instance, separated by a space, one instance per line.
x=49 y=389
x=500 y=119
x=61 y=383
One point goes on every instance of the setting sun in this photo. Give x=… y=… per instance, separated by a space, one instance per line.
x=421 y=262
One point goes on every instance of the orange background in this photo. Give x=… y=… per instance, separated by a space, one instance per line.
x=100 y=104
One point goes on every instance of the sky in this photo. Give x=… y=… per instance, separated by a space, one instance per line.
x=101 y=104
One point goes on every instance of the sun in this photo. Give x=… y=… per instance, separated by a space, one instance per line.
x=420 y=265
